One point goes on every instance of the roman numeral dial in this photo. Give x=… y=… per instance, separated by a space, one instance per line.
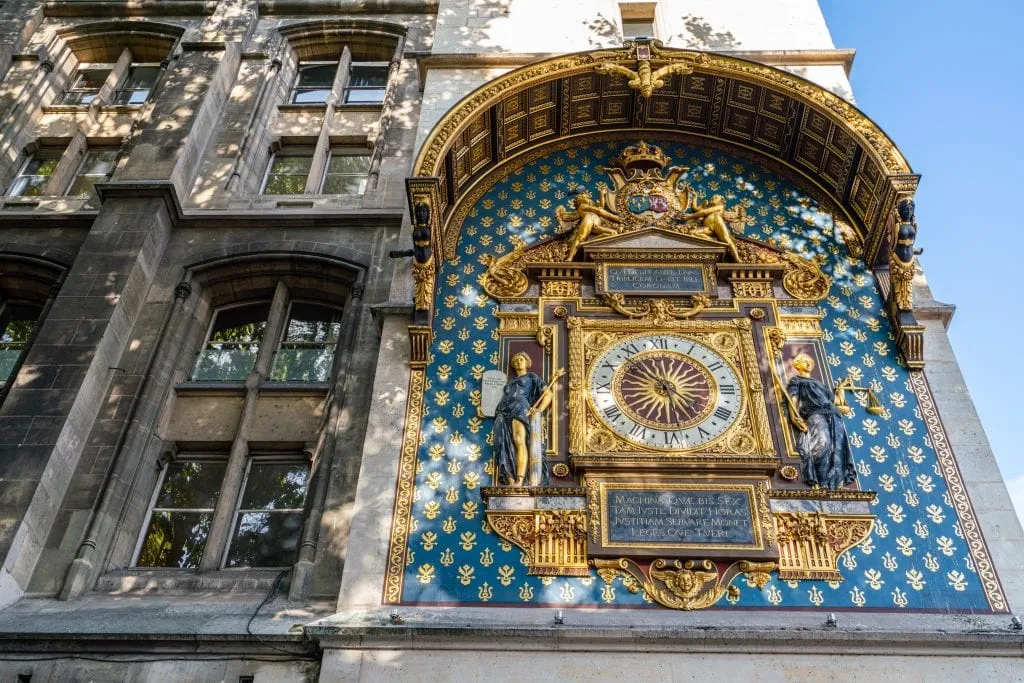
x=665 y=391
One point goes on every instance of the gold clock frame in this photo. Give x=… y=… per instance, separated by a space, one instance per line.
x=746 y=443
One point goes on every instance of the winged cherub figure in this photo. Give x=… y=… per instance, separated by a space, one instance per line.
x=644 y=79
x=589 y=219
x=713 y=215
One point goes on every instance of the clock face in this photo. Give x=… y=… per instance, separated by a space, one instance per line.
x=665 y=391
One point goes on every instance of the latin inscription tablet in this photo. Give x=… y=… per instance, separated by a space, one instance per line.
x=638 y=517
x=655 y=279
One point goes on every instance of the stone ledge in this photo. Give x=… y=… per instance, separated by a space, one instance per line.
x=147 y=623
x=717 y=630
x=735 y=639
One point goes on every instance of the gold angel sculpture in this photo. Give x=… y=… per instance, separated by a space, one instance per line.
x=713 y=216
x=588 y=220
x=644 y=78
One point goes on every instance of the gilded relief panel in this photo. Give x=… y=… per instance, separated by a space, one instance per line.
x=924 y=550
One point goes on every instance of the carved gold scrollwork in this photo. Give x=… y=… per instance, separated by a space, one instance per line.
x=656 y=311
x=597 y=340
x=901 y=277
x=801 y=325
x=684 y=585
x=645 y=79
x=546 y=338
x=852 y=238
x=758 y=572
x=776 y=340
x=600 y=440
x=504 y=276
x=517 y=322
x=810 y=544
x=594 y=512
x=751 y=290
x=554 y=542
x=560 y=289
x=804 y=279
x=423 y=279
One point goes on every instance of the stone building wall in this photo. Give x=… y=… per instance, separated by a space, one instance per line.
x=183 y=228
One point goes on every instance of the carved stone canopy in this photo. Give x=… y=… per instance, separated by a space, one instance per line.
x=782 y=116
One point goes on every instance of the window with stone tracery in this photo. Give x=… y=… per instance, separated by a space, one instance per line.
x=265 y=525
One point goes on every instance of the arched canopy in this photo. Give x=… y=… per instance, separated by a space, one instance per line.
x=368 y=40
x=103 y=41
x=772 y=112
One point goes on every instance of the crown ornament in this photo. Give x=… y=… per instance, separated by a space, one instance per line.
x=642 y=156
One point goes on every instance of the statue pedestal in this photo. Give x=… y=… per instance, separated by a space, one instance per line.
x=815 y=528
x=549 y=524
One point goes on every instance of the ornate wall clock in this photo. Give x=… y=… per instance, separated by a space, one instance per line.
x=665 y=391
x=677 y=390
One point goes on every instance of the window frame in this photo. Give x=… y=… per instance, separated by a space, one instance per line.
x=346 y=152
x=151 y=507
x=298 y=151
x=272 y=458
x=5 y=320
x=239 y=457
x=349 y=87
x=295 y=88
x=53 y=154
x=120 y=87
x=86 y=66
x=282 y=340
x=635 y=13
x=98 y=149
x=635 y=34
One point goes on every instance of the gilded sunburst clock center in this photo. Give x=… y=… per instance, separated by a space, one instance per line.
x=664 y=390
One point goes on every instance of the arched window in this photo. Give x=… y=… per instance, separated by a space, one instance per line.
x=114 y=64
x=345 y=69
x=27 y=286
x=305 y=353
x=233 y=492
x=18 y=322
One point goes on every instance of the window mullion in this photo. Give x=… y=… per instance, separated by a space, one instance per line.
x=342 y=76
x=321 y=154
x=274 y=332
x=69 y=164
x=114 y=78
x=231 y=490
x=235 y=512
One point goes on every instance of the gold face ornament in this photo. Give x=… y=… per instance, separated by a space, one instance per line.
x=665 y=391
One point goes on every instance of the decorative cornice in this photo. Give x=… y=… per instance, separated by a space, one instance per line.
x=426 y=61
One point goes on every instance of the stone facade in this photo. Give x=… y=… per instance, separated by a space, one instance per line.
x=128 y=282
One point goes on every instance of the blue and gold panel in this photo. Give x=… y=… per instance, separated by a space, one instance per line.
x=925 y=551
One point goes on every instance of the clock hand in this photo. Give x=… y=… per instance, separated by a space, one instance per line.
x=633 y=365
x=677 y=401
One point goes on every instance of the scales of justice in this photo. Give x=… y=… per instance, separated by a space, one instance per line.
x=662 y=413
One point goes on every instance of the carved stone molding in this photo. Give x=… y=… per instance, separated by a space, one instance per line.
x=810 y=544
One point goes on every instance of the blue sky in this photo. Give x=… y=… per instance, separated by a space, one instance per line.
x=943 y=79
